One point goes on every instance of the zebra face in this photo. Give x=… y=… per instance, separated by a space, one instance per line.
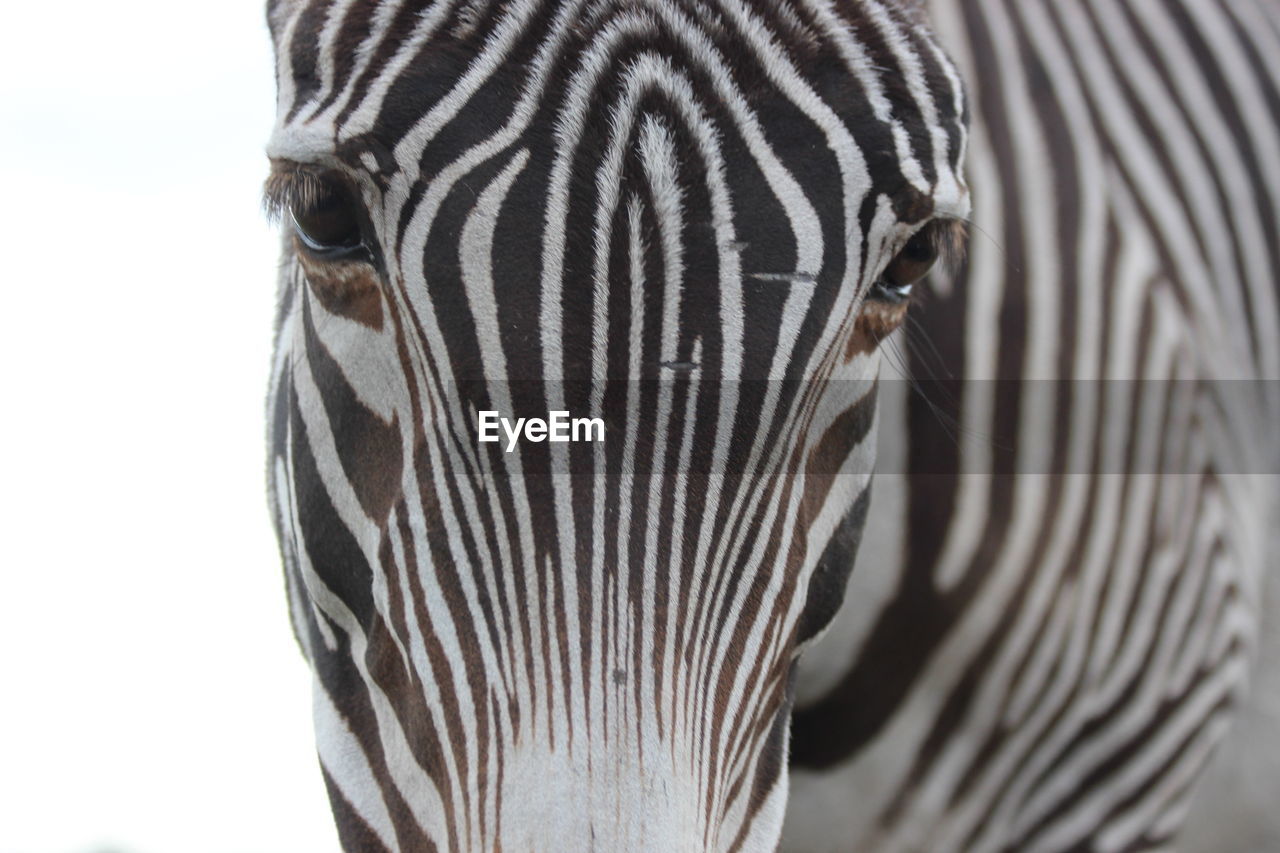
x=690 y=219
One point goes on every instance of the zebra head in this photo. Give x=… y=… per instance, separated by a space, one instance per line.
x=690 y=219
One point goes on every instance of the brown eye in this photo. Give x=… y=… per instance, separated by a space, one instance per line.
x=909 y=266
x=329 y=224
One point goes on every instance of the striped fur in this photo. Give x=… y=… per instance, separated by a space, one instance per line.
x=666 y=213
x=1055 y=609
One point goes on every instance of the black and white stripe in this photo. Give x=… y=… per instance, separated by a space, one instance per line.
x=668 y=214
x=1052 y=619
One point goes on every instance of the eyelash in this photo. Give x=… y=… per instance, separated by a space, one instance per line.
x=324 y=213
x=291 y=188
x=950 y=239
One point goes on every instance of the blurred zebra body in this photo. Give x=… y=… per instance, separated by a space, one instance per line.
x=1053 y=614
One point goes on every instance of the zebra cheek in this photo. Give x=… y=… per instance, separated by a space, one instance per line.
x=876 y=321
x=348 y=289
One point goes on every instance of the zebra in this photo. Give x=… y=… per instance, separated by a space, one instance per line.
x=704 y=222
x=1056 y=606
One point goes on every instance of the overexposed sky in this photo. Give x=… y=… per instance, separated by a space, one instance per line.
x=153 y=699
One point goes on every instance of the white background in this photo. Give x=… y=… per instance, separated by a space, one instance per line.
x=152 y=699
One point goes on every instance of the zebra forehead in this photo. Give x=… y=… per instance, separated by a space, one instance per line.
x=368 y=70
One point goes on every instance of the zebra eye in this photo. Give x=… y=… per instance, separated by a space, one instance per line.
x=909 y=266
x=328 y=224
